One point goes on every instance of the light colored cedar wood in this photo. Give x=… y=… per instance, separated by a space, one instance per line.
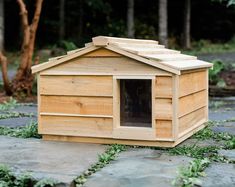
x=39 y=102
x=191 y=119
x=192 y=102
x=105 y=66
x=116 y=103
x=108 y=141
x=163 y=88
x=49 y=64
x=163 y=108
x=76 y=126
x=170 y=57
x=207 y=93
x=102 y=53
x=105 y=40
x=144 y=60
x=175 y=106
x=192 y=82
x=164 y=129
x=77 y=105
x=198 y=126
x=77 y=85
x=134 y=133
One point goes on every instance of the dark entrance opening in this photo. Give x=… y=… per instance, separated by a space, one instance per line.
x=136 y=103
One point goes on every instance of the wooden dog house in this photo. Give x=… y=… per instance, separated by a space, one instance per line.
x=126 y=91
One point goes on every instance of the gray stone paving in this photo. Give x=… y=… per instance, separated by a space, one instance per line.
x=139 y=168
x=17 y=122
x=219 y=175
x=59 y=160
x=133 y=168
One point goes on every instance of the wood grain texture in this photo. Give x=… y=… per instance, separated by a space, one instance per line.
x=105 y=66
x=191 y=119
x=76 y=126
x=163 y=129
x=192 y=102
x=163 y=109
x=76 y=85
x=163 y=87
x=108 y=141
x=77 y=105
x=192 y=82
x=102 y=53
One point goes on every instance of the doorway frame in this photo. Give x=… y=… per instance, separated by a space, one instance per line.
x=125 y=132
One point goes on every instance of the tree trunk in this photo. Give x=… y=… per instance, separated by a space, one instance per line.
x=162 y=25
x=6 y=82
x=187 y=18
x=62 y=20
x=1 y=25
x=23 y=81
x=130 y=19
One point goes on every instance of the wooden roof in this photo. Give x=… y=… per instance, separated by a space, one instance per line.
x=145 y=51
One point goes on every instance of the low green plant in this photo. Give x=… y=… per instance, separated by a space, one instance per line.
x=6 y=115
x=7 y=105
x=47 y=182
x=230 y=144
x=29 y=131
x=8 y=179
x=214 y=78
x=188 y=176
x=103 y=159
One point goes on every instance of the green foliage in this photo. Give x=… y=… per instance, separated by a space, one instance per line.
x=29 y=131
x=7 y=105
x=47 y=182
x=7 y=179
x=205 y=46
x=67 y=45
x=188 y=176
x=230 y=144
x=214 y=78
x=208 y=133
x=104 y=159
x=15 y=115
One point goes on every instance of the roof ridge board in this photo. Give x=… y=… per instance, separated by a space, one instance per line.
x=105 y=40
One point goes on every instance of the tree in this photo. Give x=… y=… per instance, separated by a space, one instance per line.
x=162 y=24
x=23 y=80
x=1 y=24
x=62 y=20
x=130 y=19
x=186 y=29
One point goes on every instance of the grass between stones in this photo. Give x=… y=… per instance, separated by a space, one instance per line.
x=103 y=159
x=28 y=131
x=8 y=179
x=188 y=176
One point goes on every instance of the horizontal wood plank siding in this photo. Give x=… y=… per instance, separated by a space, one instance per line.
x=191 y=119
x=76 y=126
x=163 y=88
x=76 y=85
x=163 y=129
x=192 y=102
x=192 y=82
x=105 y=66
x=163 y=108
x=77 y=105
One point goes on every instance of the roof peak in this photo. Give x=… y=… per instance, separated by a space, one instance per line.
x=106 y=40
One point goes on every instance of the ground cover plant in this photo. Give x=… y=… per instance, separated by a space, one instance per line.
x=28 y=131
